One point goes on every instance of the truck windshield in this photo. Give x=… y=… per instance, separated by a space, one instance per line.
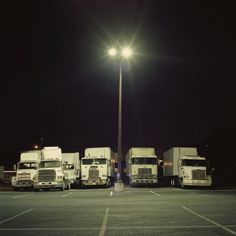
x=188 y=162
x=97 y=161
x=100 y=161
x=27 y=165
x=87 y=161
x=49 y=164
x=144 y=160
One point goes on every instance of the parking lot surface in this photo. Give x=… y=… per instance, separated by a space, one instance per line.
x=135 y=211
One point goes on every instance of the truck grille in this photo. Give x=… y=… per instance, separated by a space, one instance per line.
x=93 y=174
x=23 y=176
x=144 y=171
x=199 y=174
x=46 y=175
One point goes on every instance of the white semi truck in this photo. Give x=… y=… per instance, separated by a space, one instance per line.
x=182 y=166
x=71 y=166
x=50 y=173
x=26 y=169
x=142 y=166
x=97 y=167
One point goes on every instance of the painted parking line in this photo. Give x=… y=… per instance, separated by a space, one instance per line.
x=15 y=216
x=104 y=223
x=155 y=193
x=209 y=220
x=66 y=195
x=20 y=196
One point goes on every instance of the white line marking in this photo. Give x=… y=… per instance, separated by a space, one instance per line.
x=66 y=195
x=155 y=193
x=104 y=223
x=19 y=196
x=111 y=193
x=11 y=218
x=209 y=220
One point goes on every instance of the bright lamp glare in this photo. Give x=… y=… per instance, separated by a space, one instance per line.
x=112 y=52
x=126 y=52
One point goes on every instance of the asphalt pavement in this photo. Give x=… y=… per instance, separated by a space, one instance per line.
x=135 y=211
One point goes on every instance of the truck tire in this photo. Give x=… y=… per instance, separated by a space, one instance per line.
x=176 y=182
x=108 y=184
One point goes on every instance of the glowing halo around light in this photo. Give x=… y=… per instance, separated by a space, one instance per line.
x=112 y=52
x=126 y=52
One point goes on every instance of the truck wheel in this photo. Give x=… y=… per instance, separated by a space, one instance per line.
x=83 y=186
x=176 y=182
x=108 y=184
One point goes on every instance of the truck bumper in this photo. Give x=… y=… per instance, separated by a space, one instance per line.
x=48 y=185
x=94 y=182
x=22 y=184
x=144 y=181
x=199 y=183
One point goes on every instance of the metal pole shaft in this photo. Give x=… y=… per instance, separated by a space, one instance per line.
x=120 y=125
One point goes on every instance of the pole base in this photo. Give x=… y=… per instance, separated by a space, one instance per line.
x=119 y=186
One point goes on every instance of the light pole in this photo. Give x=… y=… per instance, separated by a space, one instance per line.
x=124 y=53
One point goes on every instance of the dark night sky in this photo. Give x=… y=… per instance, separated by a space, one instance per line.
x=59 y=84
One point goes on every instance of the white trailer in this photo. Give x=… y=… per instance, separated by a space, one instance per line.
x=182 y=166
x=26 y=169
x=71 y=166
x=142 y=166
x=50 y=173
x=98 y=167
